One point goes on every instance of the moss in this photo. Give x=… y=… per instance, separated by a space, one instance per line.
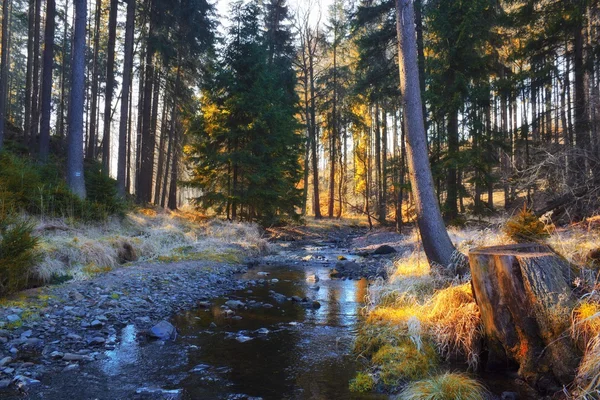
x=92 y=269
x=405 y=362
x=362 y=383
x=228 y=257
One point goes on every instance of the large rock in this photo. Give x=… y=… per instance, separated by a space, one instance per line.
x=163 y=331
x=385 y=249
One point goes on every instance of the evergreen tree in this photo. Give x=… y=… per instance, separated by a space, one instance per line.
x=246 y=153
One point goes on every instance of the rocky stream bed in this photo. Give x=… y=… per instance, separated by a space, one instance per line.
x=279 y=327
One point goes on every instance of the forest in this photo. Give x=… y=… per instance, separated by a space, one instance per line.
x=437 y=161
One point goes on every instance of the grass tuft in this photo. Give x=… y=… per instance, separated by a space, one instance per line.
x=448 y=386
x=362 y=383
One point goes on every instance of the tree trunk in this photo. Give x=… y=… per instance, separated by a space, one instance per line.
x=161 y=152
x=313 y=138
x=35 y=112
x=4 y=69
x=334 y=136
x=92 y=133
x=75 y=178
x=60 y=126
x=126 y=89
x=110 y=83
x=48 y=67
x=436 y=242
x=521 y=291
x=172 y=203
x=147 y=145
x=29 y=71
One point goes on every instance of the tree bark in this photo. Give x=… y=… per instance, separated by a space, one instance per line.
x=92 y=133
x=35 y=112
x=436 y=242
x=48 y=68
x=147 y=146
x=126 y=89
x=110 y=83
x=521 y=291
x=4 y=69
x=29 y=71
x=75 y=178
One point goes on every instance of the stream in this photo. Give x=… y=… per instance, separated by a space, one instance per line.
x=272 y=347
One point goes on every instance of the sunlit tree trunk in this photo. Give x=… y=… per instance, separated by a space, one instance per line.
x=436 y=242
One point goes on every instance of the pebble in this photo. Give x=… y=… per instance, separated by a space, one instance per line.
x=5 y=361
x=13 y=318
x=75 y=357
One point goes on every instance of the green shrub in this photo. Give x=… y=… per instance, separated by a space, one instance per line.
x=41 y=190
x=362 y=383
x=526 y=227
x=17 y=255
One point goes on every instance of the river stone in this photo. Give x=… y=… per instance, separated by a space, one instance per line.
x=163 y=331
x=97 y=340
x=509 y=396
x=385 y=249
x=25 y=382
x=13 y=318
x=5 y=361
x=234 y=304
x=313 y=278
x=57 y=355
x=76 y=357
x=162 y=394
x=4 y=383
x=278 y=297
x=243 y=338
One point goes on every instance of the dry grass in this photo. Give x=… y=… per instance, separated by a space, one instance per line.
x=83 y=250
x=448 y=386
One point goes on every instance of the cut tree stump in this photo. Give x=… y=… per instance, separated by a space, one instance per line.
x=525 y=297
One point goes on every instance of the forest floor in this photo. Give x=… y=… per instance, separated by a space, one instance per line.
x=70 y=329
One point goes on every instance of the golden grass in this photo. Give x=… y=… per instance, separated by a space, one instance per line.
x=82 y=250
x=586 y=320
x=448 y=386
x=588 y=374
x=450 y=317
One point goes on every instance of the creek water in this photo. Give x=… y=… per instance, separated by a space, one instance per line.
x=291 y=350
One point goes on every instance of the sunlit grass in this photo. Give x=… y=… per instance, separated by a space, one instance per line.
x=448 y=386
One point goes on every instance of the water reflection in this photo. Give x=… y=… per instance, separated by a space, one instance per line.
x=305 y=355
x=127 y=353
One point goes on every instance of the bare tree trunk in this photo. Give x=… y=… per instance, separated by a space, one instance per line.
x=147 y=146
x=29 y=72
x=436 y=242
x=75 y=178
x=313 y=138
x=125 y=99
x=60 y=128
x=4 y=69
x=110 y=83
x=172 y=203
x=92 y=134
x=48 y=67
x=35 y=112
x=334 y=135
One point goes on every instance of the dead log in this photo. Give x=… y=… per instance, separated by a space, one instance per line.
x=525 y=297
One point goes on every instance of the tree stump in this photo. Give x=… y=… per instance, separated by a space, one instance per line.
x=525 y=297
